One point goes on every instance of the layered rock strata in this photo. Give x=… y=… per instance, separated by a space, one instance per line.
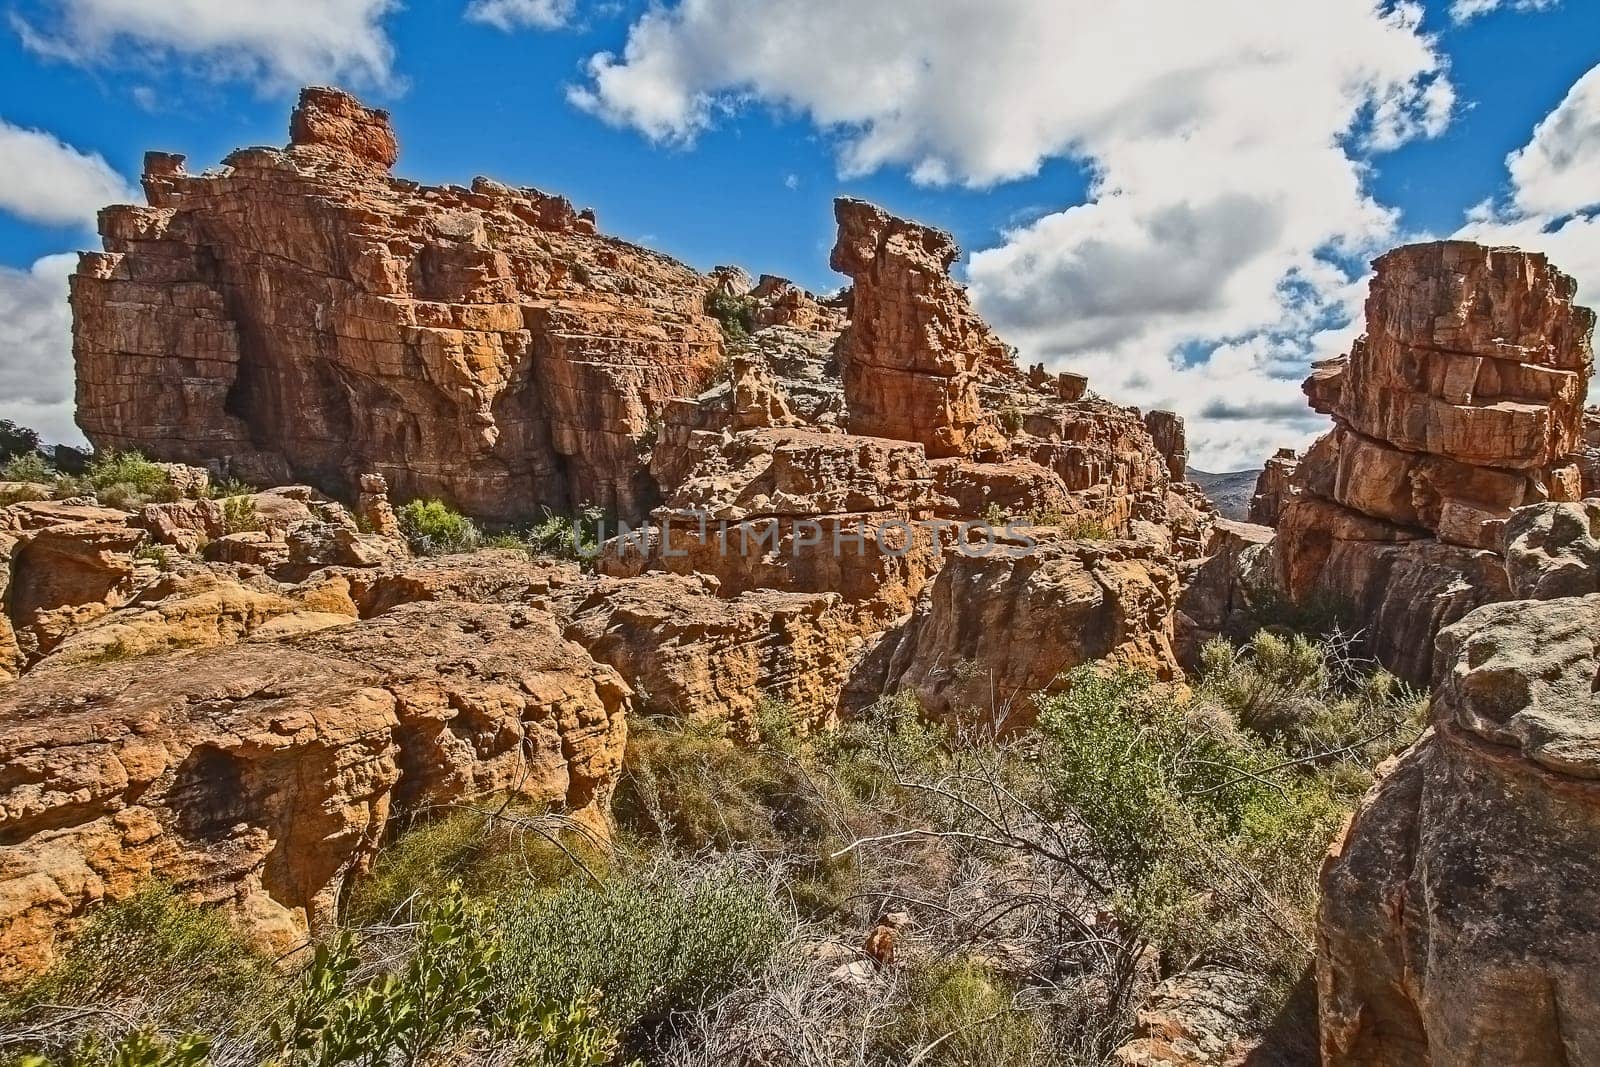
x=1460 y=916
x=1462 y=402
x=302 y=313
x=996 y=629
x=914 y=349
x=262 y=776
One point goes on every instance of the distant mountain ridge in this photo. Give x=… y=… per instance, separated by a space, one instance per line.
x=1230 y=492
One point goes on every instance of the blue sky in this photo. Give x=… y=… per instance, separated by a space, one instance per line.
x=1181 y=208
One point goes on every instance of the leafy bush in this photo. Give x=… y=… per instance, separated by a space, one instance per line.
x=17 y=441
x=648 y=944
x=1210 y=839
x=570 y=537
x=1011 y=420
x=737 y=314
x=27 y=467
x=689 y=786
x=434 y=528
x=1310 y=699
x=415 y=1012
x=959 y=1013
x=151 y=959
x=239 y=514
x=498 y=848
x=129 y=474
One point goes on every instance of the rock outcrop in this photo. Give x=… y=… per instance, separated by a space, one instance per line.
x=1274 y=488
x=1461 y=403
x=1460 y=918
x=302 y=314
x=239 y=695
x=262 y=776
x=914 y=349
x=994 y=629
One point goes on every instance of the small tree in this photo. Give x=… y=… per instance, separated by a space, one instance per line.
x=16 y=440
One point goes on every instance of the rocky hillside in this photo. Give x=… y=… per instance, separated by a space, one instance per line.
x=872 y=698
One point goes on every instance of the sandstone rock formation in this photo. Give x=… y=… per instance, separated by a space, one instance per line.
x=1201 y=1018
x=915 y=347
x=1461 y=403
x=1274 y=488
x=690 y=654
x=301 y=313
x=239 y=695
x=1223 y=593
x=1554 y=551
x=262 y=776
x=1460 y=919
x=994 y=629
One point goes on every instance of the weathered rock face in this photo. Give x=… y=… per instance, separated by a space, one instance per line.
x=1222 y=592
x=69 y=565
x=798 y=510
x=200 y=608
x=262 y=776
x=1554 y=551
x=301 y=312
x=691 y=654
x=1460 y=919
x=1461 y=404
x=915 y=348
x=993 y=630
x=1171 y=439
x=1201 y=1018
x=10 y=653
x=1274 y=488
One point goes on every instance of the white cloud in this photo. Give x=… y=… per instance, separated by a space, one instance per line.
x=47 y=181
x=36 y=348
x=1228 y=144
x=277 y=43
x=1553 y=204
x=1558 y=172
x=1467 y=10
x=509 y=15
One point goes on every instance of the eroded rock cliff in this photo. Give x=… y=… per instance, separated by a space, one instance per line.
x=1460 y=918
x=1462 y=402
x=300 y=313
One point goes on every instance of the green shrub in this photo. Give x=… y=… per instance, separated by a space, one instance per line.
x=737 y=314
x=689 y=786
x=27 y=467
x=142 y=1048
x=1308 y=699
x=958 y=1013
x=17 y=441
x=152 y=958
x=569 y=537
x=495 y=849
x=412 y=1013
x=129 y=470
x=239 y=514
x=1011 y=420
x=159 y=556
x=647 y=945
x=1209 y=840
x=434 y=528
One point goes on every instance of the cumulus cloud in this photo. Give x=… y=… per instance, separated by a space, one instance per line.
x=36 y=340
x=279 y=44
x=47 y=181
x=1553 y=204
x=1228 y=145
x=1467 y=10
x=1558 y=172
x=509 y=15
